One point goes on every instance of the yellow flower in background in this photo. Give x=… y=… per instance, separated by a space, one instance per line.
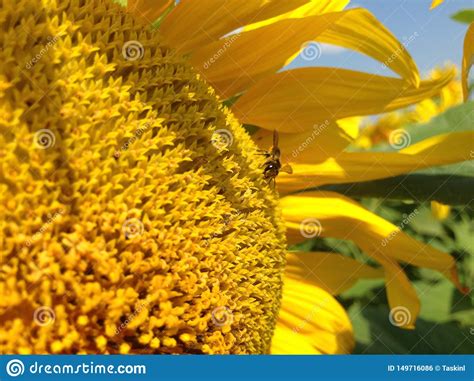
x=380 y=131
x=134 y=213
x=435 y=3
x=440 y=211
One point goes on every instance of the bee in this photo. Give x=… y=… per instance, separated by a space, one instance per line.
x=272 y=166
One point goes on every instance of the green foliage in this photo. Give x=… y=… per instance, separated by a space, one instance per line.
x=376 y=335
x=450 y=184
x=456 y=119
x=446 y=321
x=441 y=184
x=465 y=16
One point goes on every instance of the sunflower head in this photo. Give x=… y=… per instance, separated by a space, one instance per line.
x=135 y=216
x=134 y=213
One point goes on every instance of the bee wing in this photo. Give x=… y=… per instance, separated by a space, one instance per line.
x=287 y=169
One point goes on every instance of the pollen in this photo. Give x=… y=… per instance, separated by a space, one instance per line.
x=134 y=217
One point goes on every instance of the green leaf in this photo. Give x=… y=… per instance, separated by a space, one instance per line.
x=456 y=119
x=450 y=189
x=376 y=335
x=364 y=289
x=465 y=16
x=463 y=233
x=450 y=184
x=437 y=300
x=465 y=168
x=424 y=223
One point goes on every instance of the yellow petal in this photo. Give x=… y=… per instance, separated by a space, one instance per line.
x=467 y=60
x=331 y=272
x=351 y=126
x=310 y=313
x=195 y=23
x=340 y=217
x=440 y=211
x=435 y=3
x=236 y=62
x=317 y=144
x=362 y=32
x=314 y=7
x=288 y=342
x=295 y=100
x=148 y=10
x=349 y=167
x=402 y=298
x=427 y=89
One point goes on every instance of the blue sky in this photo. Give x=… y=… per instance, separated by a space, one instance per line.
x=438 y=38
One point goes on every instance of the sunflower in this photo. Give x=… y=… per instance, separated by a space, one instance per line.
x=134 y=213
